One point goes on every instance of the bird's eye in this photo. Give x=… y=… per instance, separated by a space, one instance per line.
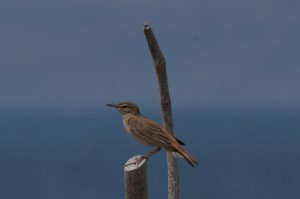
x=124 y=106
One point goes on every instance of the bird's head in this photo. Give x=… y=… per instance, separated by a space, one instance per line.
x=126 y=108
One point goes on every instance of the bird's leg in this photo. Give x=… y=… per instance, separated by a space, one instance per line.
x=146 y=155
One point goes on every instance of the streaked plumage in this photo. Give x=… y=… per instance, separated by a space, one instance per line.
x=149 y=133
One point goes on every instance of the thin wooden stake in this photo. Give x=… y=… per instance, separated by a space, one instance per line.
x=165 y=102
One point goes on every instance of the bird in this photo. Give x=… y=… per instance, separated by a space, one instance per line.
x=150 y=133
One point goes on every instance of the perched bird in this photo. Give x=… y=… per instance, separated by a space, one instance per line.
x=149 y=133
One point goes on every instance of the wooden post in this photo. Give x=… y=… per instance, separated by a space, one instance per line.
x=136 y=179
x=165 y=102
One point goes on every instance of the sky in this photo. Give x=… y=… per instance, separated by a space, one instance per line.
x=77 y=55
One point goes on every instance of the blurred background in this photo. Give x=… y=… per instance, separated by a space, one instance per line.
x=234 y=75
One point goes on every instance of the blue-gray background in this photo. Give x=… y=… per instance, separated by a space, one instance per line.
x=234 y=79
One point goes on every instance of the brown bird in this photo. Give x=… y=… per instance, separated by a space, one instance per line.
x=149 y=133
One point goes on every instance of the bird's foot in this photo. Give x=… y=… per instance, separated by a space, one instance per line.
x=138 y=160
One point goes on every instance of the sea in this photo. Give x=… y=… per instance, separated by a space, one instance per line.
x=68 y=154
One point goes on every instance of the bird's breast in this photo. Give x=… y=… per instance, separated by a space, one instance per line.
x=126 y=125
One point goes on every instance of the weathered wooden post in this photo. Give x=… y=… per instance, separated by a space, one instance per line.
x=136 y=179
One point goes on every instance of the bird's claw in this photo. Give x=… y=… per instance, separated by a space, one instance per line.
x=138 y=160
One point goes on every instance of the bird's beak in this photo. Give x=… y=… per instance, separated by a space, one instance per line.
x=112 y=105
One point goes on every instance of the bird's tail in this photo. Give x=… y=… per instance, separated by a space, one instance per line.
x=180 y=151
x=184 y=154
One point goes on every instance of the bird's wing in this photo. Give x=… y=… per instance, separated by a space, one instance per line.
x=149 y=132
